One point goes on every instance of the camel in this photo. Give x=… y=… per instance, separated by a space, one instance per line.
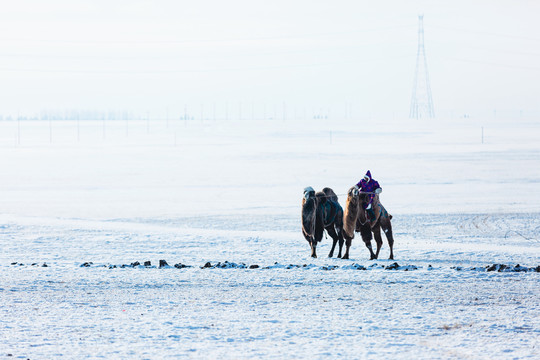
x=321 y=211
x=367 y=222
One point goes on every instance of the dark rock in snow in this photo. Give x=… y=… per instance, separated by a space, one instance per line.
x=147 y=263
x=44 y=265
x=181 y=266
x=409 y=268
x=136 y=263
x=87 y=264
x=356 y=266
x=329 y=267
x=510 y=268
x=163 y=263
x=253 y=266
x=519 y=268
x=229 y=265
x=496 y=267
x=394 y=266
x=207 y=265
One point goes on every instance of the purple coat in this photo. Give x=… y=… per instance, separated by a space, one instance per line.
x=370 y=186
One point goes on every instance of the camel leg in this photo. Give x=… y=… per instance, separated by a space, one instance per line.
x=338 y=226
x=319 y=232
x=332 y=232
x=348 y=242
x=341 y=241
x=365 y=231
x=378 y=239
x=310 y=241
x=387 y=228
x=372 y=255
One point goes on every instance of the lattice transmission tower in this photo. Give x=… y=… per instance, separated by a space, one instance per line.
x=421 y=101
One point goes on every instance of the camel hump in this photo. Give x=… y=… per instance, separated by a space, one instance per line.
x=321 y=196
x=330 y=194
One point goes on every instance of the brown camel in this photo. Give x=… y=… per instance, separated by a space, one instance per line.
x=367 y=222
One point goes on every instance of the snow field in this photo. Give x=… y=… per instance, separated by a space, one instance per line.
x=215 y=192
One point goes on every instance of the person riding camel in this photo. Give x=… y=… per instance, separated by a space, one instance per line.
x=370 y=186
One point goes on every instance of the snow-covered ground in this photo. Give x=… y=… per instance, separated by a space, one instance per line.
x=83 y=201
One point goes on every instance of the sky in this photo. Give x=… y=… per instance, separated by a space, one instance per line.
x=354 y=57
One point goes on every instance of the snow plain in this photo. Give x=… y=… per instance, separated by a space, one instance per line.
x=85 y=198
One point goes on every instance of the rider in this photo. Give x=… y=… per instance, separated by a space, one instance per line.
x=369 y=185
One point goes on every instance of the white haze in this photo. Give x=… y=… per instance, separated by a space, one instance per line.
x=355 y=57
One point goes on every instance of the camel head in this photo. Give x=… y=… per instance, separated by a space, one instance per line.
x=309 y=211
x=351 y=212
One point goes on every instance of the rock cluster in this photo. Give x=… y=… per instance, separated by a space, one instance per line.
x=163 y=264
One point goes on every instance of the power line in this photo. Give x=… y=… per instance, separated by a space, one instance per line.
x=184 y=56
x=476 y=47
x=179 y=71
x=486 y=33
x=495 y=64
x=194 y=41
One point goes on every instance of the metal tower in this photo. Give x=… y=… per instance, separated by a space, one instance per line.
x=421 y=102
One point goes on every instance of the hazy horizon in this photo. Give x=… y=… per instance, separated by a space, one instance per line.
x=153 y=57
